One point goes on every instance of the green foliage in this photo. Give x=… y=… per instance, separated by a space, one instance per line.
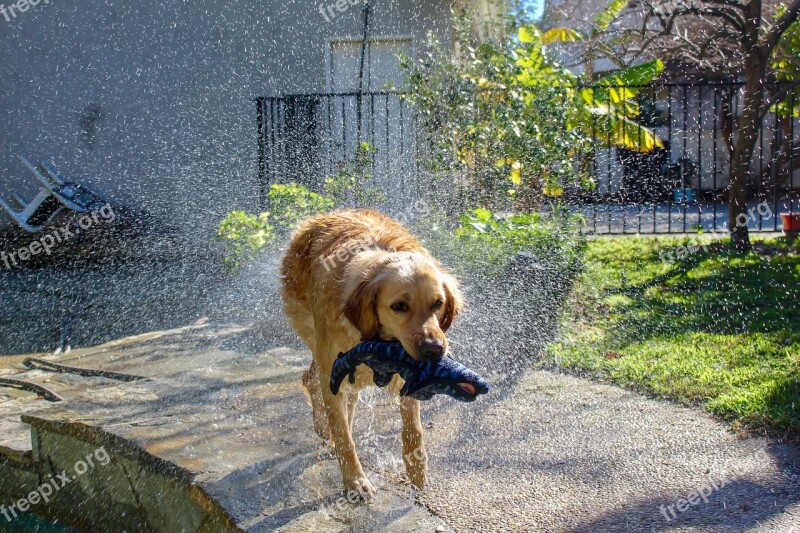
x=785 y=63
x=555 y=35
x=605 y=17
x=610 y=108
x=713 y=328
x=641 y=74
x=246 y=235
x=497 y=118
x=290 y=203
x=498 y=237
x=510 y=122
x=483 y=242
x=351 y=185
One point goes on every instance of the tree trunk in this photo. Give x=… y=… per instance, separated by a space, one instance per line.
x=749 y=124
x=737 y=198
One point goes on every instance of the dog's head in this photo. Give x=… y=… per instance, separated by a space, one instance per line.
x=404 y=296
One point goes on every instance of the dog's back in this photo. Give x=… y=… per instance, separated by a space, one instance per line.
x=322 y=237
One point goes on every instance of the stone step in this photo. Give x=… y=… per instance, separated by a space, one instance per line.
x=219 y=439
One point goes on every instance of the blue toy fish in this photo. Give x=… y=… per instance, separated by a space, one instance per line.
x=423 y=379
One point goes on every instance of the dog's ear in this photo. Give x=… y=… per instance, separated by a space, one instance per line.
x=360 y=307
x=453 y=301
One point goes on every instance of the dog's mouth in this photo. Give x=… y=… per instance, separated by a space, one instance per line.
x=468 y=388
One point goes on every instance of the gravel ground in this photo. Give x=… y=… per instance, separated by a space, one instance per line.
x=552 y=452
x=559 y=453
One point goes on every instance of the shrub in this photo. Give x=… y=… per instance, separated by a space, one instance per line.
x=246 y=235
x=291 y=203
x=510 y=125
x=351 y=185
x=483 y=243
x=497 y=118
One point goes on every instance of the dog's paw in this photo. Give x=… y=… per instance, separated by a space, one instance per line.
x=418 y=477
x=360 y=486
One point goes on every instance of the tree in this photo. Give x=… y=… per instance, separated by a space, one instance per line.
x=511 y=122
x=739 y=38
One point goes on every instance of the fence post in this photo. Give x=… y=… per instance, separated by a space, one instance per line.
x=262 y=164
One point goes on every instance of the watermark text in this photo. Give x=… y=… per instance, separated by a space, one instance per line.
x=54 y=484
x=47 y=242
x=11 y=11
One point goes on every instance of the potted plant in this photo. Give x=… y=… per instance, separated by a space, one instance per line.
x=791 y=223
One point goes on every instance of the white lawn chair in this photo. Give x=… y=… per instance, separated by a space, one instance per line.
x=54 y=195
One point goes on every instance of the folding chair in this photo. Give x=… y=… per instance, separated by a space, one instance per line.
x=54 y=195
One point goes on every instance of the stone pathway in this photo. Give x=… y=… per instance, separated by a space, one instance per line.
x=541 y=452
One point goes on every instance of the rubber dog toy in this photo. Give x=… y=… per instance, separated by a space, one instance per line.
x=423 y=379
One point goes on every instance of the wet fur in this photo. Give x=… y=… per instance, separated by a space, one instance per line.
x=339 y=275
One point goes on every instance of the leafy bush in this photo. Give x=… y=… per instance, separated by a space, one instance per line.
x=512 y=123
x=291 y=203
x=484 y=242
x=350 y=186
x=246 y=235
x=505 y=144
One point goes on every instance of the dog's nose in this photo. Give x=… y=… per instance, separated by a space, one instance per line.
x=432 y=349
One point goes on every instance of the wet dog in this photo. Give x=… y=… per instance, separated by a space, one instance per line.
x=356 y=275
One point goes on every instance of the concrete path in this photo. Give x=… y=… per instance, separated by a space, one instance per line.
x=558 y=453
x=542 y=452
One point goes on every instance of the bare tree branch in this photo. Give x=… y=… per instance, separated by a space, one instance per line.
x=774 y=34
x=733 y=18
x=730 y=3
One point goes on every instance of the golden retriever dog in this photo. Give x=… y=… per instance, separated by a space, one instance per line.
x=354 y=275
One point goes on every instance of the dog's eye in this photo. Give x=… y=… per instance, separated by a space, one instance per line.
x=400 y=307
x=437 y=304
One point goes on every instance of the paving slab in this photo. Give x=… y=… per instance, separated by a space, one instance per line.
x=233 y=421
x=541 y=452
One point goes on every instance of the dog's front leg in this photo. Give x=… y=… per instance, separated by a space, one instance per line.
x=338 y=419
x=311 y=385
x=414 y=454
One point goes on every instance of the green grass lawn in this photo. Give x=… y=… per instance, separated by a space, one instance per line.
x=710 y=329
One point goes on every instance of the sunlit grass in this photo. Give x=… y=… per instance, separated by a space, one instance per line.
x=714 y=329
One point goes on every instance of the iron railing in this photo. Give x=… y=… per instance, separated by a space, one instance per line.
x=305 y=138
x=679 y=188
x=683 y=187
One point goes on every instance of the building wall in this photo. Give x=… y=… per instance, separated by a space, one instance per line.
x=579 y=15
x=151 y=102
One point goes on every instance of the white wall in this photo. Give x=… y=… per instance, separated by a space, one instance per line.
x=174 y=82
